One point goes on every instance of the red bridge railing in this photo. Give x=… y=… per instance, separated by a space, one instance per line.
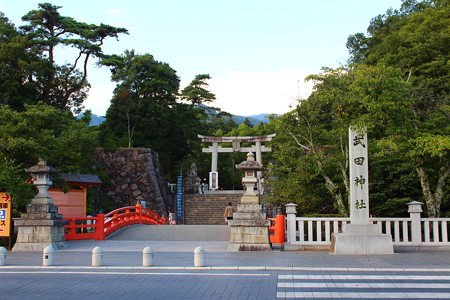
x=101 y=226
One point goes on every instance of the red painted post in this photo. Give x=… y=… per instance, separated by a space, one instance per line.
x=100 y=227
x=278 y=230
x=72 y=229
x=139 y=212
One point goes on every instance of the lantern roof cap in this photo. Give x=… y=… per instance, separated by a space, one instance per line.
x=41 y=167
x=249 y=164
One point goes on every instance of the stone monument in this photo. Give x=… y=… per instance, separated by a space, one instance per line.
x=249 y=227
x=360 y=236
x=192 y=182
x=41 y=226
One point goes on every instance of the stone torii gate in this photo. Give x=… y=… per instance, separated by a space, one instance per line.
x=236 y=141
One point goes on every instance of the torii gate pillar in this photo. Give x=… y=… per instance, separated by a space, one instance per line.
x=236 y=141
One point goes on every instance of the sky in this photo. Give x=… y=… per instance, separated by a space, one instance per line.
x=257 y=52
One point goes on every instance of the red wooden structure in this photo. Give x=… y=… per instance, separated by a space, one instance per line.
x=101 y=226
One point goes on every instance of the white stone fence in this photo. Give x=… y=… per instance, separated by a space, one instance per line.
x=315 y=233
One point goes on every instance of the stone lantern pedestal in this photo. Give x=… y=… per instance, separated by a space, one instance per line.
x=249 y=227
x=41 y=225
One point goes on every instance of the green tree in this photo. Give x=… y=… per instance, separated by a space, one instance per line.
x=218 y=120
x=415 y=40
x=196 y=92
x=312 y=141
x=248 y=122
x=62 y=86
x=144 y=111
x=15 y=67
x=42 y=131
x=145 y=88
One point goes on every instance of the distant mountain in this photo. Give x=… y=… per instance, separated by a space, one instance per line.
x=254 y=119
x=262 y=117
x=95 y=119
x=241 y=119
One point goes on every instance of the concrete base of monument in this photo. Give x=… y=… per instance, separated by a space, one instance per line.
x=361 y=239
x=248 y=247
x=249 y=229
x=249 y=238
x=38 y=247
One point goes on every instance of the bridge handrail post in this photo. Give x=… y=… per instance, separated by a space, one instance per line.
x=139 y=212
x=71 y=227
x=100 y=227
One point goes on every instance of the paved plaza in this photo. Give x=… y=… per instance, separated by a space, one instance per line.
x=227 y=275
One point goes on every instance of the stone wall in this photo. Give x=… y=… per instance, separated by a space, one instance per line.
x=208 y=209
x=135 y=174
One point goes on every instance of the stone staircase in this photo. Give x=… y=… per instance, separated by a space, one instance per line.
x=208 y=209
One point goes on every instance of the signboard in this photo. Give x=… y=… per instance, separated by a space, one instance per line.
x=5 y=215
x=180 y=198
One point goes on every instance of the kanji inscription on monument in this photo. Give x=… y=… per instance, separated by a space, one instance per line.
x=359 y=177
x=360 y=236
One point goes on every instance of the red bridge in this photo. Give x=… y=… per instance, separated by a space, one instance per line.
x=98 y=228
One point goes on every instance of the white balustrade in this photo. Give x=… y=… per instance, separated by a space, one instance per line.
x=412 y=231
x=318 y=230
x=435 y=231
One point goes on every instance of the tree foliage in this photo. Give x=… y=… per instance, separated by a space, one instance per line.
x=144 y=111
x=415 y=40
x=312 y=142
x=42 y=131
x=397 y=87
x=196 y=92
x=15 y=67
x=37 y=75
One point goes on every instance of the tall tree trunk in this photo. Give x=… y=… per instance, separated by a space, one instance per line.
x=331 y=187
x=433 y=200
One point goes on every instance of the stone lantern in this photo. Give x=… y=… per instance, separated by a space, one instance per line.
x=41 y=226
x=250 y=168
x=41 y=179
x=249 y=227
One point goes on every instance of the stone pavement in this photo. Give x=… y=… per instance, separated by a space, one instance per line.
x=213 y=233
x=179 y=254
x=227 y=275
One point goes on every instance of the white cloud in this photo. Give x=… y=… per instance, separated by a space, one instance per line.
x=117 y=12
x=99 y=99
x=249 y=93
x=240 y=93
x=117 y=17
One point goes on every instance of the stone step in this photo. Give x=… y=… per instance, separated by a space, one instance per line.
x=208 y=209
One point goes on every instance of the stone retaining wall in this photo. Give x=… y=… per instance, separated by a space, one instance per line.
x=135 y=175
